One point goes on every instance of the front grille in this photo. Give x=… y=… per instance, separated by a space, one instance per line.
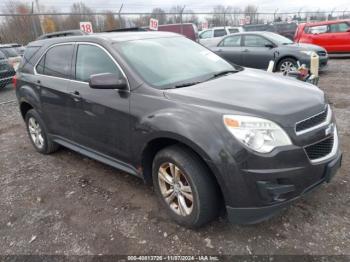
x=320 y=149
x=321 y=53
x=312 y=121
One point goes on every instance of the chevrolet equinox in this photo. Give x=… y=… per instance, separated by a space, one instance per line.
x=207 y=134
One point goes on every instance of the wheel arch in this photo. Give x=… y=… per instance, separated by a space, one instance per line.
x=159 y=143
x=24 y=108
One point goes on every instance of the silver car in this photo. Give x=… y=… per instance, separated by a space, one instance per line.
x=257 y=49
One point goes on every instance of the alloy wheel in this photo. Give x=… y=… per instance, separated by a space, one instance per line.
x=287 y=67
x=175 y=189
x=35 y=132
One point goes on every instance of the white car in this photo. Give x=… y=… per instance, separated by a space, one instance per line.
x=211 y=37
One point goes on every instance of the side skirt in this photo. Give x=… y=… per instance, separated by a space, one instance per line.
x=97 y=156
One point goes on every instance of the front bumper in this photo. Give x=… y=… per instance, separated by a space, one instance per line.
x=282 y=192
x=323 y=62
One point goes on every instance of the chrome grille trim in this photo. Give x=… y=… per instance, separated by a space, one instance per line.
x=324 y=123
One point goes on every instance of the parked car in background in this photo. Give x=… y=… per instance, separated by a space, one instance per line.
x=334 y=36
x=209 y=135
x=7 y=71
x=257 y=49
x=283 y=28
x=19 y=48
x=62 y=34
x=187 y=29
x=14 y=58
x=210 y=37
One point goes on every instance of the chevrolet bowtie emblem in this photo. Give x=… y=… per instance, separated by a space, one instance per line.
x=330 y=129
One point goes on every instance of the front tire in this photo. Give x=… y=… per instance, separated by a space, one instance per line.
x=185 y=187
x=287 y=65
x=38 y=133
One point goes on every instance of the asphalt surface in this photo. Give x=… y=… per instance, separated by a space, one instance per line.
x=68 y=204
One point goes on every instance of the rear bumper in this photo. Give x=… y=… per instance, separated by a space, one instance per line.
x=252 y=215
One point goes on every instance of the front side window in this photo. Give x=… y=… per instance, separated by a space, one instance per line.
x=171 y=60
x=320 y=29
x=255 y=41
x=93 y=60
x=57 y=61
x=219 y=32
x=231 y=41
x=206 y=34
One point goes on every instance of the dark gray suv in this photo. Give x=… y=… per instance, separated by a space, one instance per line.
x=206 y=134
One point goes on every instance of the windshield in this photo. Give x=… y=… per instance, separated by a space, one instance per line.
x=278 y=39
x=167 y=62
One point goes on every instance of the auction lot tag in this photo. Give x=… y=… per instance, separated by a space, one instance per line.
x=86 y=27
x=153 y=24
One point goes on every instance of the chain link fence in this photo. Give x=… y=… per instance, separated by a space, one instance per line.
x=23 y=28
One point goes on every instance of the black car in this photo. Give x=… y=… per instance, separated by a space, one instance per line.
x=257 y=49
x=7 y=71
x=205 y=133
x=283 y=28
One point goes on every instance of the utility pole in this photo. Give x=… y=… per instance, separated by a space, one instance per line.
x=120 y=17
x=274 y=15
x=182 y=10
x=33 y=22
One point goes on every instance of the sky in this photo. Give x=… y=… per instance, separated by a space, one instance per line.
x=200 y=5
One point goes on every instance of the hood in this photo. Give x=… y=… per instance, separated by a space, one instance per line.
x=255 y=92
x=306 y=47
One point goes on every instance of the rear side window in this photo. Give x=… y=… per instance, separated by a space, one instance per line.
x=219 y=32
x=233 y=30
x=93 y=60
x=339 y=28
x=57 y=61
x=255 y=41
x=231 y=41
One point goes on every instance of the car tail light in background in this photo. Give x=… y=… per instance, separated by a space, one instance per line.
x=14 y=81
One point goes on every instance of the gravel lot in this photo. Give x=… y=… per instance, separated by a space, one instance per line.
x=68 y=204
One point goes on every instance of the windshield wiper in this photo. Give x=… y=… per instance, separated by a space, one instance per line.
x=222 y=73
x=187 y=84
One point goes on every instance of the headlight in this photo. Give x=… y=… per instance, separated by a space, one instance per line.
x=307 y=52
x=260 y=135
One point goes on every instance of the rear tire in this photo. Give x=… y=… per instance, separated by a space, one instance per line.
x=190 y=179
x=38 y=134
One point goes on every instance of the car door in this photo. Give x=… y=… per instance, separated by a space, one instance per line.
x=230 y=49
x=319 y=35
x=257 y=51
x=99 y=117
x=52 y=78
x=339 y=36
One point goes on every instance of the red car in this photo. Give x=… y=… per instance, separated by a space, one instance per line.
x=334 y=36
x=187 y=29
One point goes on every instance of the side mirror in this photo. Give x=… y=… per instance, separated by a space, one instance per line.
x=107 y=81
x=348 y=30
x=269 y=46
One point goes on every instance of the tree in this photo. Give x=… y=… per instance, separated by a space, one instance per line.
x=110 y=22
x=251 y=11
x=79 y=13
x=159 y=14
x=21 y=29
x=176 y=16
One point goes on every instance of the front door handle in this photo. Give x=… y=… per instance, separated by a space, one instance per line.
x=76 y=95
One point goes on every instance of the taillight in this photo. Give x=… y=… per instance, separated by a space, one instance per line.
x=14 y=81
